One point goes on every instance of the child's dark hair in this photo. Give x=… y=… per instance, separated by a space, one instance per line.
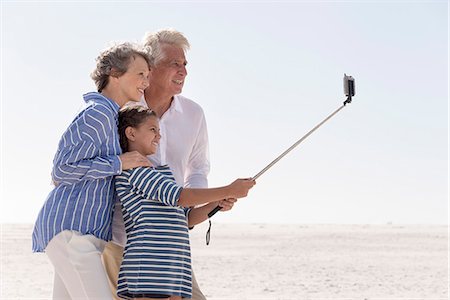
x=131 y=117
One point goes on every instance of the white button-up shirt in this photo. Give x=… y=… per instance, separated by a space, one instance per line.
x=183 y=146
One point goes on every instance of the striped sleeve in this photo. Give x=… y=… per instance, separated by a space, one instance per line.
x=78 y=156
x=187 y=211
x=130 y=201
x=153 y=185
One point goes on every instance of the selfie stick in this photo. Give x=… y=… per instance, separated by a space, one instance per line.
x=349 y=90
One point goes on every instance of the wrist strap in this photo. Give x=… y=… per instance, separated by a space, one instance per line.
x=208 y=233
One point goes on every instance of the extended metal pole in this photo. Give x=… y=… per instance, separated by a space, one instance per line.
x=217 y=208
x=295 y=144
x=349 y=90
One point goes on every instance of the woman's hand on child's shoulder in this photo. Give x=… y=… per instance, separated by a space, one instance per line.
x=134 y=159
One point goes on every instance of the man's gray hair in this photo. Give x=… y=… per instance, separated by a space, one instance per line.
x=114 y=61
x=156 y=40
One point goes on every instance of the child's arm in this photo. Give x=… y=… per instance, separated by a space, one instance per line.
x=238 y=189
x=199 y=214
x=152 y=184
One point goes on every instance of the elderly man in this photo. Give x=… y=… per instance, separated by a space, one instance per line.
x=184 y=142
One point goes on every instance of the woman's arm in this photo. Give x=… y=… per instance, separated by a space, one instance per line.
x=80 y=156
x=70 y=169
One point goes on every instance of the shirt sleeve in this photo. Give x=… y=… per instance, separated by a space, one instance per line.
x=79 y=152
x=198 y=165
x=187 y=211
x=155 y=186
x=129 y=201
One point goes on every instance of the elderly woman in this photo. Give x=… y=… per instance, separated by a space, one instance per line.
x=75 y=220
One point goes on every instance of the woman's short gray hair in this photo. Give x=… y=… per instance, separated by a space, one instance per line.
x=155 y=41
x=115 y=60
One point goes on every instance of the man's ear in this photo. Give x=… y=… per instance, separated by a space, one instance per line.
x=130 y=133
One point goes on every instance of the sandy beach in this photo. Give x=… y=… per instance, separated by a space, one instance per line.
x=267 y=261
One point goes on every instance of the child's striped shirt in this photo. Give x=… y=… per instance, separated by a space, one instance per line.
x=157 y=258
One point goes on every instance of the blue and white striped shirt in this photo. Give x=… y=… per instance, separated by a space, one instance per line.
x=83 y=168
x=157 y=257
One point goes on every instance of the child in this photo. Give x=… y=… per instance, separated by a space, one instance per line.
x=157 y=262
x=75 y=221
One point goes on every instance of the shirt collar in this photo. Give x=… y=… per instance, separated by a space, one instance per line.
x=176 y=105
x=99 y=98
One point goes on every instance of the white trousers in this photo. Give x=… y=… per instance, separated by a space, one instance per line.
x=79 y=272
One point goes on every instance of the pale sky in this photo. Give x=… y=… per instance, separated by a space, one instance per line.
x=265 y=74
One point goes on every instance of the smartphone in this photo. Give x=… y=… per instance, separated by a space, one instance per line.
x=349 y=86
